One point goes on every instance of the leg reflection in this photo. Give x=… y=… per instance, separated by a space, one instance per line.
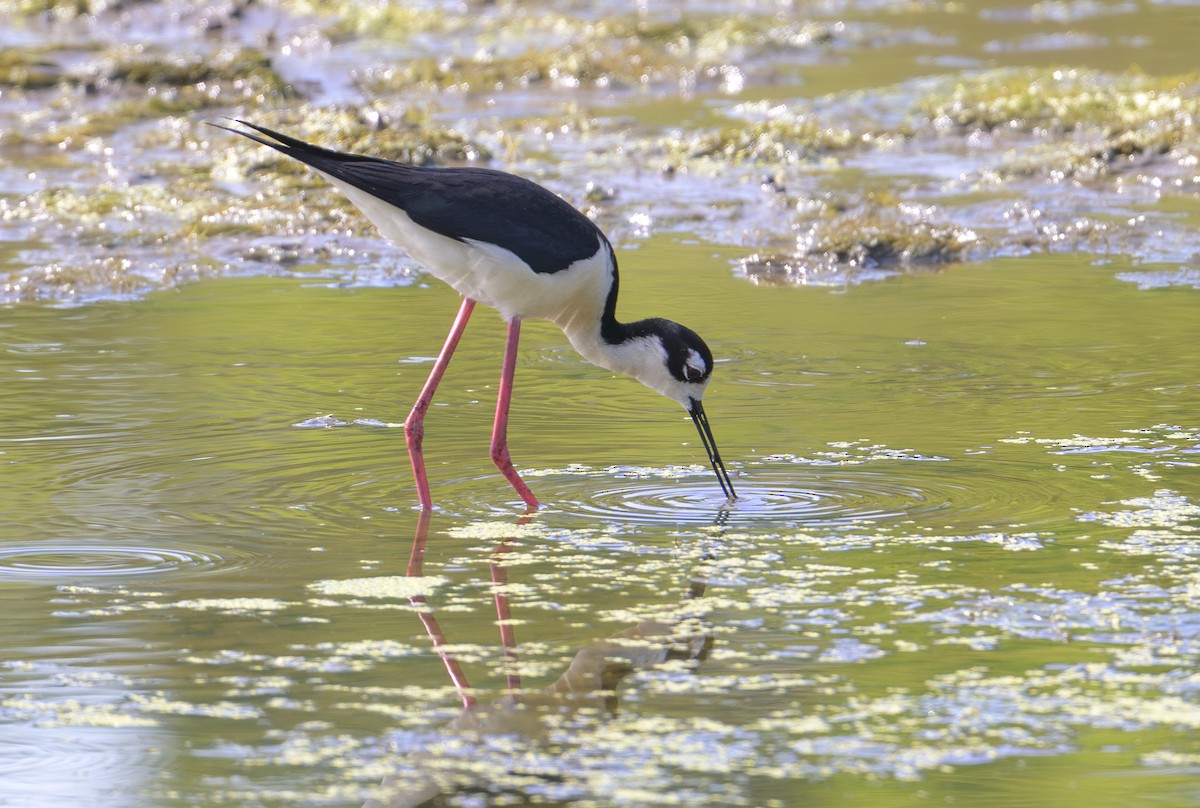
x=416 y=563
x=499 y=735
x=508 y=640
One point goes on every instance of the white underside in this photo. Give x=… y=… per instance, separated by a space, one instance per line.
x=572 y=298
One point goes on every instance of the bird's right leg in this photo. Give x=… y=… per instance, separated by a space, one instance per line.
x=500 y=455
x=414 y=425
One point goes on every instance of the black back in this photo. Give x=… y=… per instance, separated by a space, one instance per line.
x=481 y=204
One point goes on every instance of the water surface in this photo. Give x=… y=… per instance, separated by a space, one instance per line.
x=963 y=565
x=963 y=550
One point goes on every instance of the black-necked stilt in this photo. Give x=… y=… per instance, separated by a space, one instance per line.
x=508 y=242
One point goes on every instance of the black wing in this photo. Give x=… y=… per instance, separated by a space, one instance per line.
x=461 y=203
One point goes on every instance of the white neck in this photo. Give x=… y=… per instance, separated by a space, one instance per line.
x=642 y=357
x=591 y=317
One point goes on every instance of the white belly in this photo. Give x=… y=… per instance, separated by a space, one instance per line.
x=493 y=275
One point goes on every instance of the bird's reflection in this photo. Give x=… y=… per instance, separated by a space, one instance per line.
x=416 y=566
x=525 y=718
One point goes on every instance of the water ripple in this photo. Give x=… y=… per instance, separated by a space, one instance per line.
x=793 y=500
x=56 y=562
x=83 y=761
x=788 y=496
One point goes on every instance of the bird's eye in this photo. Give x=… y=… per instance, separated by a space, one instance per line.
x=694 y=367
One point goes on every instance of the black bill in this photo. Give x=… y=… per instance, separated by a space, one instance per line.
x=710 y=446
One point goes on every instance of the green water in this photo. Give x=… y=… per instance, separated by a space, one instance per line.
x=962 y=567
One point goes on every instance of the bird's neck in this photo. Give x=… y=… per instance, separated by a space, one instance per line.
x=594 y=330
x=638 y=349
x=599 y=342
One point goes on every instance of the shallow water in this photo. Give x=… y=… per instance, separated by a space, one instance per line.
x=963 y=565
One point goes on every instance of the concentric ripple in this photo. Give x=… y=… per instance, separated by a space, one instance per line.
x=796 y=496
x=65 y=765
x=59 y=562
x=827 y=500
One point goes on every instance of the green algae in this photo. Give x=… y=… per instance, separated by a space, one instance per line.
x=28 y=68
x=58 y=10
x=1088 y=125
x=619 y=52
x=1065 y=100
x=881 y=234
x=122 y=216
x=384 y=586
x=61 y=280
x=138 y=84
x=865 y=235
x=350 y=19
x=1164 y=508
x=565 y=67
x=886 y=236
x=179 y=203
x=43 y=712
x=230 y=606
x=1062 y=123
x=775 y=141
x=249 y=71
x=221 y=76
x=1100 y=159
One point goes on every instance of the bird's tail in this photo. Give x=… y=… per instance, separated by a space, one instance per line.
x=315 y=156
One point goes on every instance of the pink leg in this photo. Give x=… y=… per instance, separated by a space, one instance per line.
x=414 y=425
x=500 y=454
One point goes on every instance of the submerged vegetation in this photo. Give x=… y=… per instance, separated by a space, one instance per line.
x=1086 y=124
x=197 y=213
x=967 y=533
x=1065 y=100
x=880 y=235
x=115 y=88
x=776 y=140
x=756 y=170
x=686 y=54
x=27 y=68
x=224 y=76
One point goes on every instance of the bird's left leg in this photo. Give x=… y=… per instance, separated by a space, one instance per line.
x=414 y=425
x=500 y=454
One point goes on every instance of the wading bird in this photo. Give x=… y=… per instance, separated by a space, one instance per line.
x=511 y=244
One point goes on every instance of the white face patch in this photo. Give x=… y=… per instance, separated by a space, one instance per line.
x=694 y=365
x=646 y=359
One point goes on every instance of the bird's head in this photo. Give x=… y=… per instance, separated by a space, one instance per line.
x=671 y=359
x=667 y=357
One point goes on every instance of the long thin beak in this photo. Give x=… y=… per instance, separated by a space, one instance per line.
x=710 y=446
